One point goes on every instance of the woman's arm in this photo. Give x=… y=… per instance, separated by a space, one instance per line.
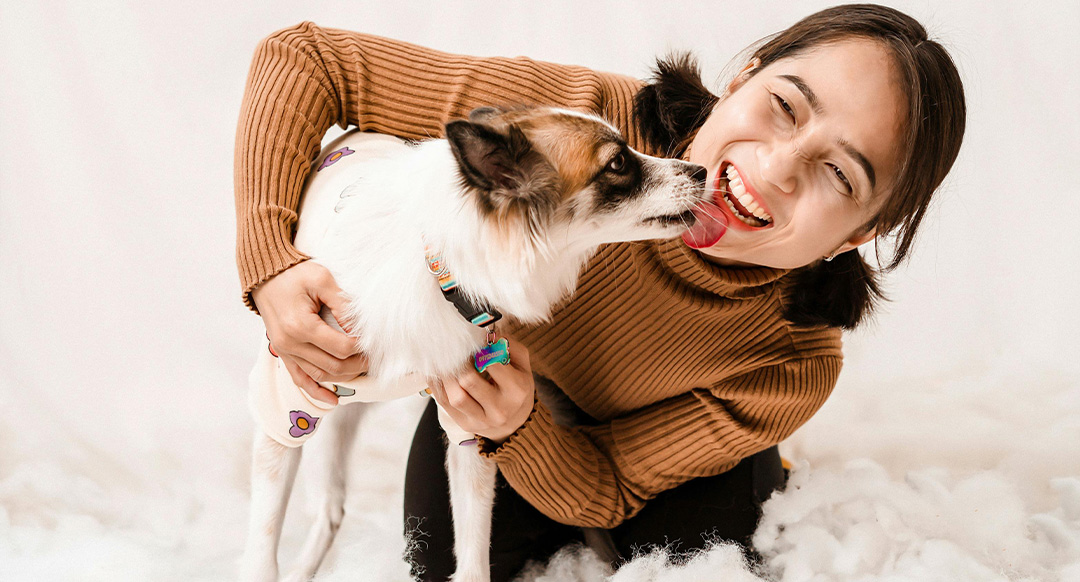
x=602 y=475
x=305 y=78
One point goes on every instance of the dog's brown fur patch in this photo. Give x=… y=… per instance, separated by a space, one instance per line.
x=576 y=145
x=565 y=152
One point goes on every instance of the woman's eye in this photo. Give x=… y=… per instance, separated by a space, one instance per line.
x=842 y=178
x=618 y=163
x=784 y=105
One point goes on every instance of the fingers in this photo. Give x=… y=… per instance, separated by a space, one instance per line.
x=495 y=407
x=458 y=403
x=325 y=367
x=479 y=388
x=332 y=354
x=519 y=356
x=328 y=339
x=306 y=327
x=514 y=388
x=504 y=374
x=327 y=292
x=458 y=398
x=302 y=379
x=290 y=303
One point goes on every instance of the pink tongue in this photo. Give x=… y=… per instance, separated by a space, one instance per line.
x=711 y=225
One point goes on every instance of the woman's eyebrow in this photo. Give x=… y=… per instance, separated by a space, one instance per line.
x=805 y=89
x=815 y=104
x=861 y=159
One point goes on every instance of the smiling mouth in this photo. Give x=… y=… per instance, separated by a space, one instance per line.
x=733 y=194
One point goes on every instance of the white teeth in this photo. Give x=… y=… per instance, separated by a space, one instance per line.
x=738 y=191
x=733 y=176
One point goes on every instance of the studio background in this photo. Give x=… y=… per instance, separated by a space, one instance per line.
x=950 y=445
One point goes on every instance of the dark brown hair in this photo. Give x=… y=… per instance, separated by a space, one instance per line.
x=671 y=108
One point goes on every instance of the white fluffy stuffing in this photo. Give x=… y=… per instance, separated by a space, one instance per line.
x=991 y=492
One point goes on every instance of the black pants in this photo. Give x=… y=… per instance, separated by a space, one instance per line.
x=724 y=507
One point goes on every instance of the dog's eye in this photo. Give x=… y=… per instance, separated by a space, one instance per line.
x=617 y=164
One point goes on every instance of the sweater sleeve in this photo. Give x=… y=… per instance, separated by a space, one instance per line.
x=305 y=78
x=601 y=475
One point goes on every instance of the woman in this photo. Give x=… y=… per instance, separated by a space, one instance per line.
x=689 y=359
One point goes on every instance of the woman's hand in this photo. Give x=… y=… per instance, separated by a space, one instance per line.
x=495 y=409
x=311 y=350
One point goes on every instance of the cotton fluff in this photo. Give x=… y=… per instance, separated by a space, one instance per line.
x=857 y=523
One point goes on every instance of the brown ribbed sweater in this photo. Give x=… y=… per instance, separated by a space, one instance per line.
x=688 y=366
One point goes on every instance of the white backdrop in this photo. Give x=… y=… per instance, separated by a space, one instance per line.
x=124 y=346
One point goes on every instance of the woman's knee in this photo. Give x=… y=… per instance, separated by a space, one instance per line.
x=519 y=531
x=703 y=511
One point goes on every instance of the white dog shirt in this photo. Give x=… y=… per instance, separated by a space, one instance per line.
x=283 y=410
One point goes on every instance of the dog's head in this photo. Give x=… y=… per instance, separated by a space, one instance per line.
x=548 y=178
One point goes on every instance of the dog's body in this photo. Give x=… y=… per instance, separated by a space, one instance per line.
x=514 y=203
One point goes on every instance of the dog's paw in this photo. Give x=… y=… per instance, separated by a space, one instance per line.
x=465 y=576
x=299 y=575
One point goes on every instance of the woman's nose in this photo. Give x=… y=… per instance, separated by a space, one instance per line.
x=779 y=166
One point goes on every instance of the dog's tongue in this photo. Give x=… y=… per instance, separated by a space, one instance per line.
x=709 y=228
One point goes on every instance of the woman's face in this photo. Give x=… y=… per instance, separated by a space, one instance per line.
x=813 y=139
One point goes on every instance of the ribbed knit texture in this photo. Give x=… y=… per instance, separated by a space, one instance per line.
x=688 y=366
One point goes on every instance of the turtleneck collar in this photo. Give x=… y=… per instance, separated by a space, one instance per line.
x=732 y=282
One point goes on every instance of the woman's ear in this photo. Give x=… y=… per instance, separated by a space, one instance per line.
x=744 y=75
x=858 y=239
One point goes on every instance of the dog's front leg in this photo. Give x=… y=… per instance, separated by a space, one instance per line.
x=273 y=470
x=326 y=469
x=472 y=495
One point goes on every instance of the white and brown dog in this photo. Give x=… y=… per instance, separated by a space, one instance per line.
x=429 y=242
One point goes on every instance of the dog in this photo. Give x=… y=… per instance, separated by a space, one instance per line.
x=431 y=243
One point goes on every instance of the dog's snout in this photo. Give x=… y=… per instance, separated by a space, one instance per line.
x=700 y=174
x=696 y=172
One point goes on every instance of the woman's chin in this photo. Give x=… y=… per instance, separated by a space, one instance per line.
x=723 y=258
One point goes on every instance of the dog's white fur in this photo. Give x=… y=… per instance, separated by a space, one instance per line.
x=371 y=236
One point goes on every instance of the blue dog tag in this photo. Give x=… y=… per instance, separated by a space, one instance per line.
x=495 y=353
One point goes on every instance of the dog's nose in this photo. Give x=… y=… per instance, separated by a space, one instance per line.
x=699 y=173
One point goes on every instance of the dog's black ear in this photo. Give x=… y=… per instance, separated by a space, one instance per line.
x=488 y=159
x=673 y=105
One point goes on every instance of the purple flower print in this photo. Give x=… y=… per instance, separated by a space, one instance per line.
x=302 y=423
x=334 y=156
